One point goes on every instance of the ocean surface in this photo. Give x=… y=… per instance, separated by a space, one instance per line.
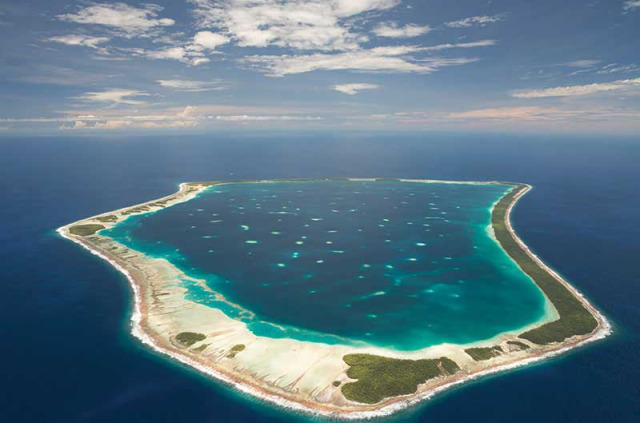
x=67 y=353
x=400 y=265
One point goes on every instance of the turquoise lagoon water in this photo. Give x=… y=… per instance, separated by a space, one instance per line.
x=401 y=265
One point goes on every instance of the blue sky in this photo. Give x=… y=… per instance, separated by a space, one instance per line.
x=205 y=65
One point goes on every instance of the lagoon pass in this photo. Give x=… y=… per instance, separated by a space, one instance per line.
x=344 y=297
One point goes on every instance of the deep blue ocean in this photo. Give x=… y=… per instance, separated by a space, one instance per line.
x=67 y=355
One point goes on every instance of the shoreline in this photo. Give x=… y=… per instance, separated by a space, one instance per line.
x=275 y=394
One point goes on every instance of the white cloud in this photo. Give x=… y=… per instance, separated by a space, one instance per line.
x=347 y=8
x=582 y=63
x=548 y=115
x=151 y=117
x=578 y=90
x=474 y=44
x=192 y=86
x=631 y=5
x=126 y=20
x=298 y=24
x=183 y=119
x=379 y=59
x=252 y=118
x=393 y=30
x=192 y=53
x=128 y=124
x=209 y=40
x=616 y=68
x=593 y=66
x=181 y=54
x=510 y=113
x=475 y=21
x=332 y=29
x=522 y=117
x=114 y=96
x=78 y=40
x=352 y=89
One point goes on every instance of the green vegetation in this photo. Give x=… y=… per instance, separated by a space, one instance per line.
x=85 y=230
x=574 y=319
x=382 y=377
x=187 y=339
x=336 y=383
x=520 y=345
x=109 y=218
x=235 y=350
x=139 y=209
x=200 y=348
x=484 y=353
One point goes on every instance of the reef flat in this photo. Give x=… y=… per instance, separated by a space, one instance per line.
x=337 y=380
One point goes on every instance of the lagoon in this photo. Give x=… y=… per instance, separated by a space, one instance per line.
x=399 y=265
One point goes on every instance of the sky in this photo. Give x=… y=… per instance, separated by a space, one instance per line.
x=205 y=65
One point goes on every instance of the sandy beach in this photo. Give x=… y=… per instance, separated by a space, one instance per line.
x=298 y=375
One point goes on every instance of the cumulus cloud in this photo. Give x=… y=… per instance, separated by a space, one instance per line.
x=176 y=121
x=298 y=24
x=355 y=88
x=181 y=54
x=347 y=8
x=209 y=40
x=128 y=124
x=78 y=40
x=194 y=52
x=185 y=118
x=113 y=96
x=126 y=20
x=475 y=21
x=579 y=90
x=192 y=86
x=631 y=5
x=152 y=117
x=188 y=118
x=330 y=31
x=253 y=118
x=393 y=30
x=398 y=59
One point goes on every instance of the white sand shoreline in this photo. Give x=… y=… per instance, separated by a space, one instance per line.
x=348 y=410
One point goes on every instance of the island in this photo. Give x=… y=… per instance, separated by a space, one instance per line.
x=335 y=379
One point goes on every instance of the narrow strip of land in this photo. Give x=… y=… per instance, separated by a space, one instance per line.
x=574 y=319
x=334 y=380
